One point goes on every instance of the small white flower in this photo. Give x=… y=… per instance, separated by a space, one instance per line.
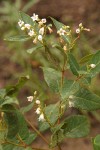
x=37 y=101
x=78 y=31
x=30 y=98
x=28 y=26
x=61 y=31
x=71 y=104
x=22 y=28
x=31 y=33
x=40 y=37
x=35 y=17
x=44 y=20
x=41 y=31
x=92 y=65
x=20 y=23
x=41 y=117
x=38 y=111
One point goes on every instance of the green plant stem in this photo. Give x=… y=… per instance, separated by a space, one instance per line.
x=63 y=70
x=39 y=133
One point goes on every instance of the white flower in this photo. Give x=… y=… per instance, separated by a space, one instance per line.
x=35 y=17
x=37 y=101
x=44 y=20
x=41 y=31
x=28 y=26
x=92 y=65
x=71 y=104
x=30 y=98
x=20 y=23
x=78 y=31
x=38 y=111
x=61 y=31
x=40 y=37
x=41 y=117
x=31 y=33
x=22 y=28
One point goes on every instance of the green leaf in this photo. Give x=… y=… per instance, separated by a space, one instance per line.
x=20 y=38
x=8 y=100
x=52 y=113
x=95 y=60
x=27 y=108
x=74 y=66
x=96 y=142
x=26 y=18
x=31 y=138
x=86 y=58
x=11 y=120
x=22 y=125
x=76 y=126
x=15 y=122
x=59 y=25
x=3 y=130
x=69 y=88
x=2 y=93
x=13 y=89
x=84 y=99
x=52 y=77
x=56 y=138
x=33 y=49
x=43 y=126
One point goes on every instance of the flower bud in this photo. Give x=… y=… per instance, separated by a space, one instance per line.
x=38 y=111
x=37 y=101
x=78 y=31
x=41 y=117
x=40 y=37
x=92 y=65
x=41 y=31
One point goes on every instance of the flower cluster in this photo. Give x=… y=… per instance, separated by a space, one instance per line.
x=30 y=98
x=39 y=110
x=38 y=31
x=64 y=30
x=81 y=28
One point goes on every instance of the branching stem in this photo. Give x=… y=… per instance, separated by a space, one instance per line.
x=39 y=133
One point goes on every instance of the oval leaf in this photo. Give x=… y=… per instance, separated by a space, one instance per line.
x=76 y=127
